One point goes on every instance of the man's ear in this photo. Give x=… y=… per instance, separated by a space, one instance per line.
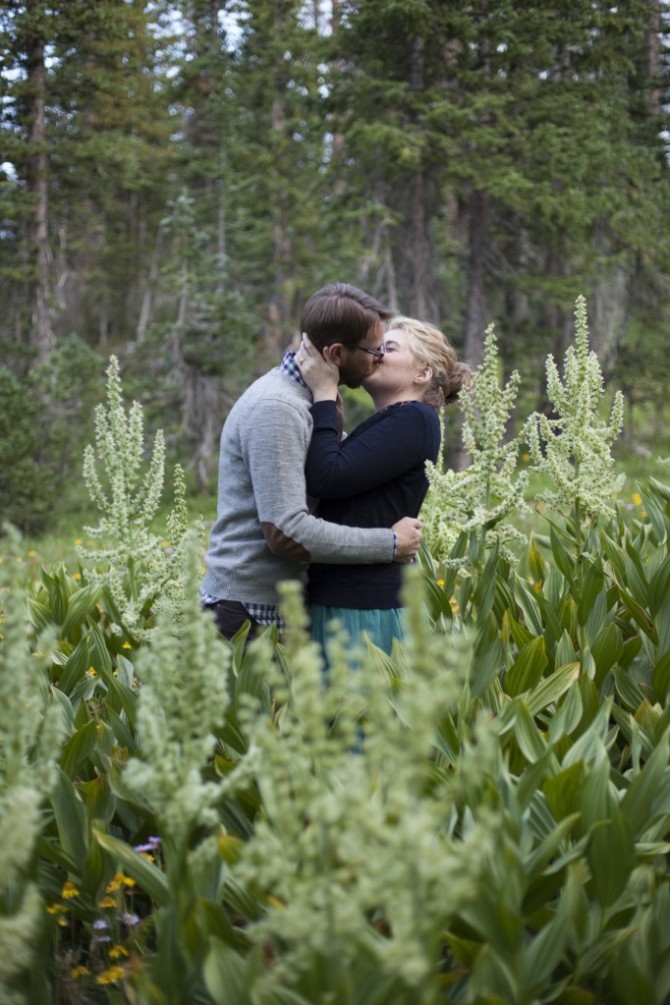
x=335 y=351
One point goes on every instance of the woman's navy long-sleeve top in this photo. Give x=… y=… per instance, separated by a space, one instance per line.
x=372 y=478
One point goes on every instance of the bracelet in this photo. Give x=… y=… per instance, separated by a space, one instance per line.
x=395 y=544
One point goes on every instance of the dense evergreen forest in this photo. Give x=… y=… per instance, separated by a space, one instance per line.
x=178 y=177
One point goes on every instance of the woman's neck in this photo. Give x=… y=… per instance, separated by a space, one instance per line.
x=382 y=400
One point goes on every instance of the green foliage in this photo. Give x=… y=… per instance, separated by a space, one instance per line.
x=482 y=816
x=41 y=418
x=24 y=499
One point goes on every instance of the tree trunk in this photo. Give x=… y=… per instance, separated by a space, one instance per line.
x=41 y=334
x=476 y=314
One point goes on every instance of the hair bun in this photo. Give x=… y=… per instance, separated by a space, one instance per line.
x=460 y=377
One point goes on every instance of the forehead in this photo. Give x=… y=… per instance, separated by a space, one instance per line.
x=398 y=336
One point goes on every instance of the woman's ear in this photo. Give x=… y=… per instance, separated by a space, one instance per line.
x=424 y=376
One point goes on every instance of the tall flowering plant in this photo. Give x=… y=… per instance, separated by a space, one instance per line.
x=573 y=448
x=479 y=500
x=131 y=560
x=573 y=445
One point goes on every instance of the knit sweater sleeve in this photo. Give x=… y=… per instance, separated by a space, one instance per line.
x=376 y=453
x=274 y=447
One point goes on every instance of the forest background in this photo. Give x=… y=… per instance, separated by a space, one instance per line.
x=178 y=177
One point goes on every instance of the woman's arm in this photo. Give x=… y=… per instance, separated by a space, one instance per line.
x=378 y=451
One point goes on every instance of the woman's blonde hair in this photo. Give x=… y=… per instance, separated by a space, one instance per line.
x=431 y=347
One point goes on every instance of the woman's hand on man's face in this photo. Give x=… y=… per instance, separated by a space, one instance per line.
x=320 y=372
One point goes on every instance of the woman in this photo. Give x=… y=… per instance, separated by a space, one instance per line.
x=377 y=474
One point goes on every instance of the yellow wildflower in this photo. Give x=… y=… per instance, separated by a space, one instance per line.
x=126 y=645
x=107 y=902
x=637 y=498
x=79 y=971
x=92 y=672
x=117 y=952
x=110 y=975
x=56 y=908
x=453 y=603
x=69 y=890
x=77 y=540
x=32 y=553
x=440 y=582
x=119 y=880
x=76 y=575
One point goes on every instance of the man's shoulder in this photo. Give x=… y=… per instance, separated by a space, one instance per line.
x=277 y=386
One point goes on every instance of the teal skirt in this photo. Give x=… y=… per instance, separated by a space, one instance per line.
x=381 y=627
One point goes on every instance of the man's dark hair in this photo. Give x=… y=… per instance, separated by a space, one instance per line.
x=341 y=313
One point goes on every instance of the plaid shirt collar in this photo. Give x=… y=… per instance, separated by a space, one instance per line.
x=289 y=366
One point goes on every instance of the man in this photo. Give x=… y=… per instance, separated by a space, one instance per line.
x=264 y=531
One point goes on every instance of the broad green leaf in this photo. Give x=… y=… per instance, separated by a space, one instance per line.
x=486 y=586
x=659 y=587
x=567 y=616
x=233 y=978
x=551 y=688
x=606 y=650
x=536 y=563
x=437 y=598
x=642 y=793
x=636 y=577
x=98 y=798
x=531 y=743
x=611 y=849
x=568 y=715
x=662 y=622
x=562 y=791
x=565 y=651
x=631 y=648
x=148 y=876
x=95 y=735
x=592 y=591
x=71 y=818
x=527 y=601
x=547 y=849
x=548 y=947
x=563 y=559
x=80 y=605
x=628 y=689
x=75 y=668
x=527 y=669
x=100 y=657
x=638 y=614
x=486 y=656
x=656 y=510
x=519 y=632
x=40 y=614
x=661 y=677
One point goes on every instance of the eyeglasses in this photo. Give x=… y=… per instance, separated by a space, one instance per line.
x=377 y=353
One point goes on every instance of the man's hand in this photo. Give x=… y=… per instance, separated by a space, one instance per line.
x=408 y=533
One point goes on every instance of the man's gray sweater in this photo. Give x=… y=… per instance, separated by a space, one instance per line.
x=264 y=531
